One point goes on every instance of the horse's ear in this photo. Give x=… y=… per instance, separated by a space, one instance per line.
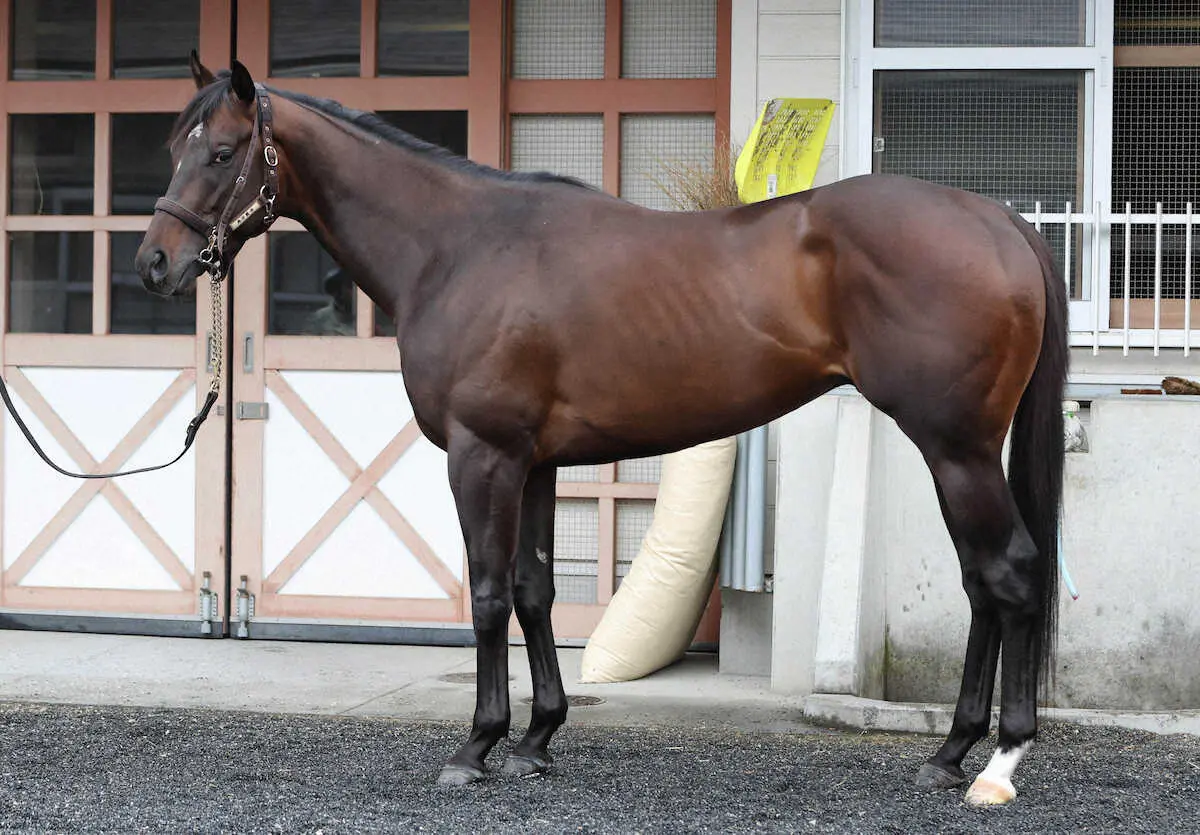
x=200 y=73
x=243 y=84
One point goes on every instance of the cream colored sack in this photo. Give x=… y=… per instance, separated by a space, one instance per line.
x=653 y=616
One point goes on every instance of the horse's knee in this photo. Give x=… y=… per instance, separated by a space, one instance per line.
x=532 y=600
x=490 y=611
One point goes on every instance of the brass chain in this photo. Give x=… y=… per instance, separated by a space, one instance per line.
x=216 y=346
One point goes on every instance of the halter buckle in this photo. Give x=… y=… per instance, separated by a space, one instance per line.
x=270 y=155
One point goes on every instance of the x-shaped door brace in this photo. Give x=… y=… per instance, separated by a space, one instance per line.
x=363 y=487
x=108 y=488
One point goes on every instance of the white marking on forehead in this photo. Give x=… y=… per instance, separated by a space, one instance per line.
x=197 y=131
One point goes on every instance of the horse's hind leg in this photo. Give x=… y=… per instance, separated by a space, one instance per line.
x=534 y=598
x=999 y=569
x=487 y=483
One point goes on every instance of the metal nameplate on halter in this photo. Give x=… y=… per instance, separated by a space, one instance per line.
x=251 y=411
x=246 y=214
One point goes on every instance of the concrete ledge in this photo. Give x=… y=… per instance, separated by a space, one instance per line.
x=916 y=717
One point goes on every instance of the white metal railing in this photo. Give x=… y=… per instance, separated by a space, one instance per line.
x=1101 y=318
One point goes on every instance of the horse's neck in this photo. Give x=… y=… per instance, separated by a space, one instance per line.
x=371 y=204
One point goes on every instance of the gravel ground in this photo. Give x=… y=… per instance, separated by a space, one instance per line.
x=98 y=769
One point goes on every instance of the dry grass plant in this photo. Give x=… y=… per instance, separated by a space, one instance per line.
x=693 y=187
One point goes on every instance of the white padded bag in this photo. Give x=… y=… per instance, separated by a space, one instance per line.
x=653 y=615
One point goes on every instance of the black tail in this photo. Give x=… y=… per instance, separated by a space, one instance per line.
x=1035 y=458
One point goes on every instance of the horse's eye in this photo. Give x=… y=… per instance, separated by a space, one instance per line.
x=222 y=156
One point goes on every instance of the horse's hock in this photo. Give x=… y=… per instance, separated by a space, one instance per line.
x=873 y=606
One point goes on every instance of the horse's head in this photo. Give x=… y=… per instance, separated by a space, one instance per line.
x=223 y=189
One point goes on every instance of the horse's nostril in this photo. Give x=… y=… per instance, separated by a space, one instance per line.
x=158 y=266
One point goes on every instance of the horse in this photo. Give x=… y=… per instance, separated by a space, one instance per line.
x=542 y=323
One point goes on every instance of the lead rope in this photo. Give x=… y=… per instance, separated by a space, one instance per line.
x=215 y=354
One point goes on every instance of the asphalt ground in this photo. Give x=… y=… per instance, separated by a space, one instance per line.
x=72 y=768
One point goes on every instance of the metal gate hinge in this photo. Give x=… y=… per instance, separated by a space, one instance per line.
x=877 y=144
x=245 y=608
x=251 y=411
x=208 y=605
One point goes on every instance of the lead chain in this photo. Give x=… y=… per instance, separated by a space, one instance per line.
x=216 y=348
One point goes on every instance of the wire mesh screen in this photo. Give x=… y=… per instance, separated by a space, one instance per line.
x=1156 y=151
x=633 y=520
x=1014 y=136
x=584 y=472
x=981 y=23
x=558 y=39
x=669 y=38
x=640 y=470
x=576 y=549
x=652 y=144
x=1156 y=23
x=572 y=145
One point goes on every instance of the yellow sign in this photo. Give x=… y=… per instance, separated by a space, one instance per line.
x=784 y=148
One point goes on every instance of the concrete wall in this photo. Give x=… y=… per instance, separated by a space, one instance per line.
x=867 y=592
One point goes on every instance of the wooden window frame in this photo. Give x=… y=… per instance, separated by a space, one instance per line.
x=613 y=96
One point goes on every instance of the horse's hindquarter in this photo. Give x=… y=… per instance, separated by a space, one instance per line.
x=940 y=299
x=689 y=326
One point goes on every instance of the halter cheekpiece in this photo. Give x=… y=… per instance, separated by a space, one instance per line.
x=212 y=257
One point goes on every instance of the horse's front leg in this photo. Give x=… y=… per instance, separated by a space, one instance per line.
x=533 y=600
x=487 y=484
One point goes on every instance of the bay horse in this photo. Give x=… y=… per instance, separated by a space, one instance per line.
x=543 y=323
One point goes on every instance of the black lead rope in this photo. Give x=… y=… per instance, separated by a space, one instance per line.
x=192 y=429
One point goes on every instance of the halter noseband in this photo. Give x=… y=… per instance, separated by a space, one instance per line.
x=212 y=257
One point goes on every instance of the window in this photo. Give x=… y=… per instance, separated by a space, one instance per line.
x=650 y=143
x=665 y=39
x=308 y=292
x=53 y=39
x=52 y=164
x=133 y=309
x=315 y=38
x=1013 y=136
x=424 y=37
x=152 y=38
x=1155 y=150
x=1000 y=99
x=1157 y=23
x=560 y=40
x=907 y=23
x=571 y=145
x=141 y=161
x=50 y=282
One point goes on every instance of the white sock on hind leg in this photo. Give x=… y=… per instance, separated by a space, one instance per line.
x=994 y=785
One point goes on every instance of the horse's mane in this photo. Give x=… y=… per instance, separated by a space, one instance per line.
x=208 y=100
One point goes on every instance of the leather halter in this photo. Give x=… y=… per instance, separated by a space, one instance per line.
x=212 y=257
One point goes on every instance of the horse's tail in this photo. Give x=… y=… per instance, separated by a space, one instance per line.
x=1036 y=454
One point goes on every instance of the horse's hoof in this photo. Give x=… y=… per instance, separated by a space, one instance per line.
x=990 y=791
x=521 y=766
x=937 y=777
x=459 y=775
